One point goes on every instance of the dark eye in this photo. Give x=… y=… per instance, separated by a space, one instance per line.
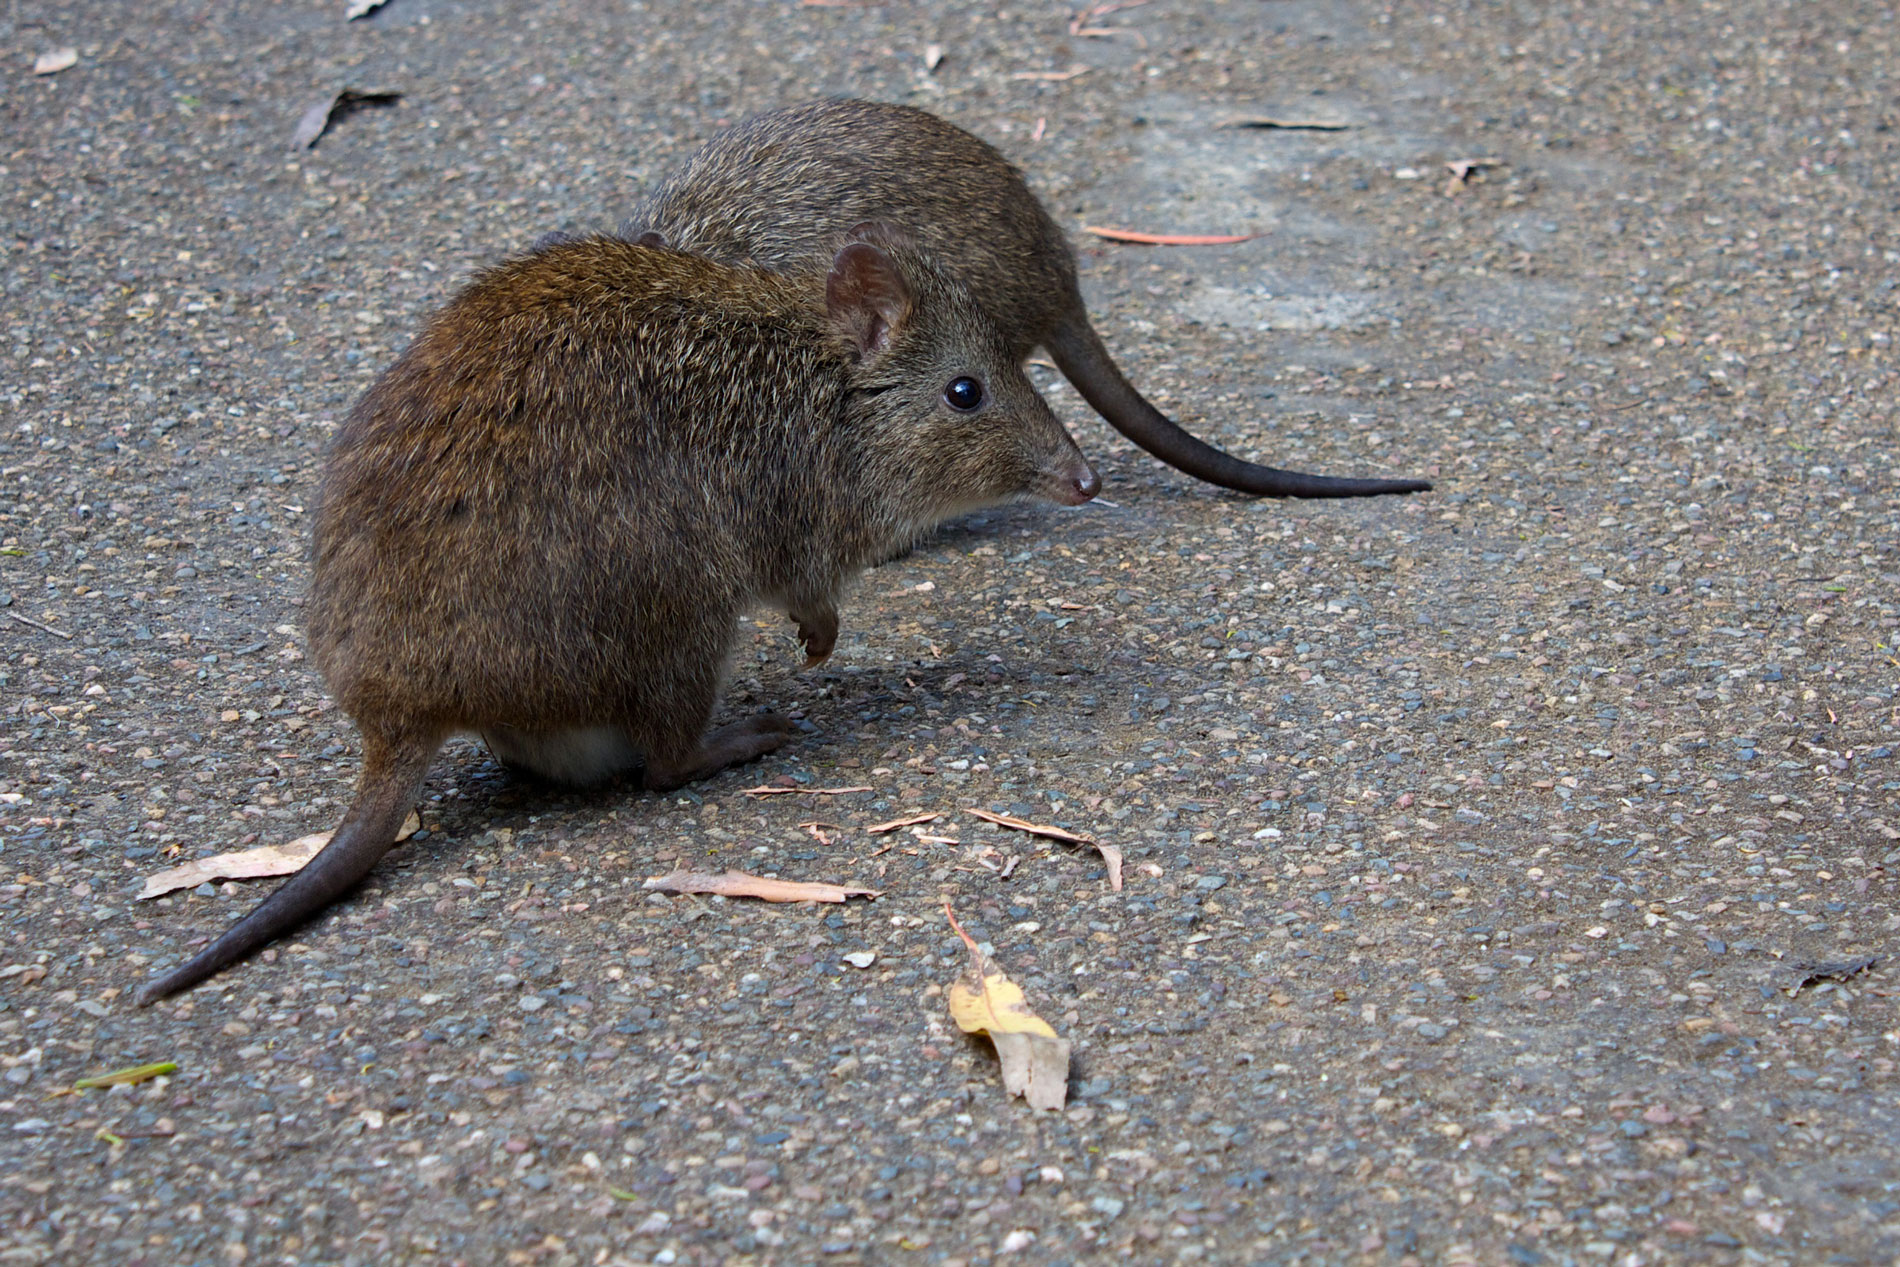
x=964 y=393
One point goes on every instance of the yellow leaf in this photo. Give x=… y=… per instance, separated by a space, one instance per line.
x=1035 y=1061
x=994 y=1005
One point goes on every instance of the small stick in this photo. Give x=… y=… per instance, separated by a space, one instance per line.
x=57 y=633
x=803 y=791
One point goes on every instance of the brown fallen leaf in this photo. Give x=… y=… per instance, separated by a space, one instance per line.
x=984 y=1001
x=251 y=864
x=320 y=116
x=1168 y=239
x=817 y=831
x=56 y=60
x=1461 y=169
x=878 y=829
x=802 y=791
x=1285 y=125
x=1110 y=854
x=739 y=884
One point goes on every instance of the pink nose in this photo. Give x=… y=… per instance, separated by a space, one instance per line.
x=1083 y=485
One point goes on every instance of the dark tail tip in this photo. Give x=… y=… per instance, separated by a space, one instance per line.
x=391 y=776
x=1297 y=484
x=1079 y=353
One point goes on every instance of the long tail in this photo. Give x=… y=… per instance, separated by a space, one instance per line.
x=392 y=775
x=1079 y=353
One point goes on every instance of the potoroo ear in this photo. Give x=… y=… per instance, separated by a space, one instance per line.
x=866 y=297
x=880 y=233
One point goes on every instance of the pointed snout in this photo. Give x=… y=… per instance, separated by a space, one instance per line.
x=1075 y=483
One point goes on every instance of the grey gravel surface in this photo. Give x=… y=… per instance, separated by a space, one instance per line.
x=1510 y=869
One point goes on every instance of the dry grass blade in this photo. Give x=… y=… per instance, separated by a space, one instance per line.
x=1110 y=855
x=739 y=884
x=127 y=1077
x=251 y=864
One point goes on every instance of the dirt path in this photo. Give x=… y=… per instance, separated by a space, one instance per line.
x=1509 y=869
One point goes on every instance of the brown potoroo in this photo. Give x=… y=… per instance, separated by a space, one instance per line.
x=781 y=189
x=543 y=521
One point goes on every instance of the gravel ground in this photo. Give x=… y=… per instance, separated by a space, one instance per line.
x=1510 y=869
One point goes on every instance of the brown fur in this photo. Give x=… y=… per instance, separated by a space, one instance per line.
x=543 y=521
x=781 y=189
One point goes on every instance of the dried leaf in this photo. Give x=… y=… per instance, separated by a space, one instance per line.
x=320 y=116
x=1034 y=829
x=362 y=9
x=1285 y=125
x=1052 y=76
x=878 y=829
x=1169 y=239
x=55 y=60
x=251 y=864
x=1461 y=169
x=739 y=884
x=1839 y=970
x=984 y=1001
x=127 y=1077
x=803 y=791
x=1110 y=854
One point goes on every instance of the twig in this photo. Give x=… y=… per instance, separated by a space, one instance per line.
x=804 y=791
x=57 y=633
x=1111 y=856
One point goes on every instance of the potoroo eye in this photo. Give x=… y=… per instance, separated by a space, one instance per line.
x=964 y=393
